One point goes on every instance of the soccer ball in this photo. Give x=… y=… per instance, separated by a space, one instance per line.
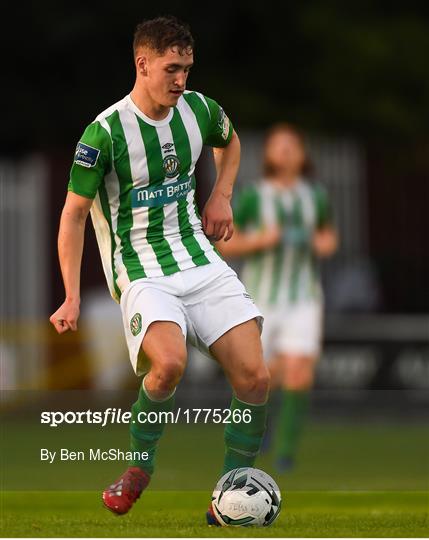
x=246 y=496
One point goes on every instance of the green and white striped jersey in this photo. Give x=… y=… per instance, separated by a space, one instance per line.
x=288 y=273
x=140 y=173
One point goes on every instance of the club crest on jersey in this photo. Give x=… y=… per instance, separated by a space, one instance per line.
x=223 y=123
x=171 y=166
x=86 y=155
x=136 y=324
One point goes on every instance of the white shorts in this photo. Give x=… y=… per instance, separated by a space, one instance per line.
x=205 y=301
x=294 y=329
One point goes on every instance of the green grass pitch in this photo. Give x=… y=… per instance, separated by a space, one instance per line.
x=356 y=480
x=181 y=514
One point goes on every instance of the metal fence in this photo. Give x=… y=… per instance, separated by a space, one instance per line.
x=23 y=253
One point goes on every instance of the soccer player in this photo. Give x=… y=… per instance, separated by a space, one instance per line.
x=283 y=226
x=134 y=170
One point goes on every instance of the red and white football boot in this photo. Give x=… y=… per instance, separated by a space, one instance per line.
x=120 y=496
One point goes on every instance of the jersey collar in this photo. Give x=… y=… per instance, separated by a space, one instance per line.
x=147 y=119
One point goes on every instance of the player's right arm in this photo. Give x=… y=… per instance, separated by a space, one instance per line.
x=92 y=162
x=70 y=248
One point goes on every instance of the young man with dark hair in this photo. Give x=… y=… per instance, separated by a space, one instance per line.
x=134 y=170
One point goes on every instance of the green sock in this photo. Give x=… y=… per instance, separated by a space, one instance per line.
x=144 y=436
x=272 y=411
x=292 y=416
x=243 y=439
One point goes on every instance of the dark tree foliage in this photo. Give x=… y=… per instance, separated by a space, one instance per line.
x=331 y=66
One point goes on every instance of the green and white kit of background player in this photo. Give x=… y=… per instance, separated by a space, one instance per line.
x=157 y=260
x=285 y=281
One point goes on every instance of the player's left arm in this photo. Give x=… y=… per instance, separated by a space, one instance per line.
x=217 y=217
x=325 y=237
x=325 y=241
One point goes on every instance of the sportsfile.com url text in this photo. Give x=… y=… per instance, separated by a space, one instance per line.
x=117 y=416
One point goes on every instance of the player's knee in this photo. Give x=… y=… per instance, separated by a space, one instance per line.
x=254 y=387
x=263 y=379
x=169 y=371
x=299 y=379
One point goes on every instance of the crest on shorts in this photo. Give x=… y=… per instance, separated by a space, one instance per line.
x=171 y=166
x=136 y=324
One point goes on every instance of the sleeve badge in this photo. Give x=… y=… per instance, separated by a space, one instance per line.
x=86 y=155
x=223 y=124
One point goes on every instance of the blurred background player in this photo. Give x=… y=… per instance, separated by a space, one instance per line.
x=283 y=227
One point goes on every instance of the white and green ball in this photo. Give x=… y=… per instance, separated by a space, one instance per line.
x=245 y=497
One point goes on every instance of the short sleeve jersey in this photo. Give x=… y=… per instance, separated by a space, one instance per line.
x=140 y=173
x=288 y=273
